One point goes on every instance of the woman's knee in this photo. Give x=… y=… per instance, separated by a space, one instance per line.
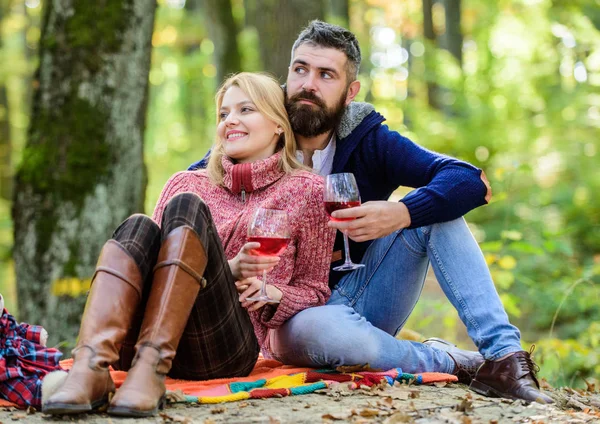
x=185 y=209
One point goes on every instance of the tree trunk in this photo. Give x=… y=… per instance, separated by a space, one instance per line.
x=340 y=12
x=82 y=170
x=452 y=39
x=5 y=141
x=223 y=31
x=278 y=23
x=5 y=146
x=430 y=74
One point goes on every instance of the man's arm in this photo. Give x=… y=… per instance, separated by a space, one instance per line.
x=446 y=188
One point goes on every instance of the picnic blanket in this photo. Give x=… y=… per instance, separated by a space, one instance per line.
x=271 y=378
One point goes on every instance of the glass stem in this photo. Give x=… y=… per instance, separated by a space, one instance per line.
x=346 y=248
x=263 y=287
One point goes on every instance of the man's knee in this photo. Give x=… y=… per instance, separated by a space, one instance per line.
x=332 y=335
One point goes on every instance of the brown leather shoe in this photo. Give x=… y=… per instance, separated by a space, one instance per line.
x=177 y=281
x=512 y=377
x=114 y=296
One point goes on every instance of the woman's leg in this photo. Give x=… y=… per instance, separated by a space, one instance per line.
x=192 y=311
x=115 y=295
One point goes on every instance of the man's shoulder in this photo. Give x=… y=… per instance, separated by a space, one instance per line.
x=354 y=117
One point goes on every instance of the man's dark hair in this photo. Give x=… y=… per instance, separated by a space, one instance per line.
x=322 y=34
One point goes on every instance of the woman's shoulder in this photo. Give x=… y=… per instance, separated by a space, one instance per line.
x=189 y=175
x=308 y=176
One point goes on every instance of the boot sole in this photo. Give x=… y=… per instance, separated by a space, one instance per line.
x=124 y=411
x=72 y=409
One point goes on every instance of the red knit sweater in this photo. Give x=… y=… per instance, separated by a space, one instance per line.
x=302 y=273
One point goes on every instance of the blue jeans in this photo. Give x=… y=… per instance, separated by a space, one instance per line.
x=371 y=304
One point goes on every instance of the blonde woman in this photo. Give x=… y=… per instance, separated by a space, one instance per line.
x=164 y=300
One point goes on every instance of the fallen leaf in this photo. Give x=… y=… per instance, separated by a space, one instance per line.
x=19 y=416
x=175 y=418
x=173 y=396
x=218 y=410
x=466 y=404
x=31 y=410
x=336 y=416
x=209 y=421
x=399 y=393
x=273 y=420
x=243 y=404
x=307 y=406
x=414 y=394
x=398 y=417
x=369 y=413
x=387 y=401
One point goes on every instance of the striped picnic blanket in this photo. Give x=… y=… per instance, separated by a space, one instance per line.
x=271 y=378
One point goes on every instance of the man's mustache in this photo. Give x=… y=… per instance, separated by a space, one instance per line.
x=307 y=95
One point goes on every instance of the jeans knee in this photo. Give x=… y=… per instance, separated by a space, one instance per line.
x=331 y=335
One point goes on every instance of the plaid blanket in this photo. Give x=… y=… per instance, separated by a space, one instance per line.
x=23 y=362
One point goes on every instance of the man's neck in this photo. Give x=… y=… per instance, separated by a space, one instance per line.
x=308 y=145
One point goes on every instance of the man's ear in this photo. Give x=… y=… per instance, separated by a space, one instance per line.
x=353 y=90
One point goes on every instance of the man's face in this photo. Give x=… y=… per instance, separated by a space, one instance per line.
x=317 y=90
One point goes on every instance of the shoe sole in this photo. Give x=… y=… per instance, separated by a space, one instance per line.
x=124 y=411
x=485 y=390
x=72 y=409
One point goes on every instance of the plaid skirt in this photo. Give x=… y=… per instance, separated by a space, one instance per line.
x=218 y=340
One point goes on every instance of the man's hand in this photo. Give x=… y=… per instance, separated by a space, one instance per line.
x=250 y=287
x=246 y=265
x=373 y=220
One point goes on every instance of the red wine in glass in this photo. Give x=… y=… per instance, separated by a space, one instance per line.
x=330 y=207
x=341 y=192
x=269 y=246
x=270 y=228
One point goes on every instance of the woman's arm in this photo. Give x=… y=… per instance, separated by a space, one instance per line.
x=309 y=284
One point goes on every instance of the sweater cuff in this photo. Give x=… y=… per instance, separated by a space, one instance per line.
x=287 y=308
x=420 y=207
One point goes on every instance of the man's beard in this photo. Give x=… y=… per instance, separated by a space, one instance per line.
x=309 y=120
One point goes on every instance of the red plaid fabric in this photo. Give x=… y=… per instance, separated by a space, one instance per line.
x=23 y=362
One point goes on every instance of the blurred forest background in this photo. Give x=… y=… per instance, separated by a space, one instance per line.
x=512 y=86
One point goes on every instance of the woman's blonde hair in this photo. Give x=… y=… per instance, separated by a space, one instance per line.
x=266 y=94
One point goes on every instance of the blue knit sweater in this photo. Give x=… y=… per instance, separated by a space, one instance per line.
x=383 y=160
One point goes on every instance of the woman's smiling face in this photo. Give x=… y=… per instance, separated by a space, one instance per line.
x=247 y=135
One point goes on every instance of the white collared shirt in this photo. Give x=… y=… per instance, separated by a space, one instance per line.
x=322 y=159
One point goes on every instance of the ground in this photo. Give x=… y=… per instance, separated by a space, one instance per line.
x=452 y=403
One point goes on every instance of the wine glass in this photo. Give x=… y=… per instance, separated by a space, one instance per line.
x=341 y=192
x=270 y=228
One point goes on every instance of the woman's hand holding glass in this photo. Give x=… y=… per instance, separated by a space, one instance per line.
x=246 y=264
x=251 y=286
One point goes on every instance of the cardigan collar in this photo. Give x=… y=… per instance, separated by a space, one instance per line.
x=251 y=176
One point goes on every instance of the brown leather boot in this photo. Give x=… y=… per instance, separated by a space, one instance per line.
x=115 y=293
x=177 y=281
